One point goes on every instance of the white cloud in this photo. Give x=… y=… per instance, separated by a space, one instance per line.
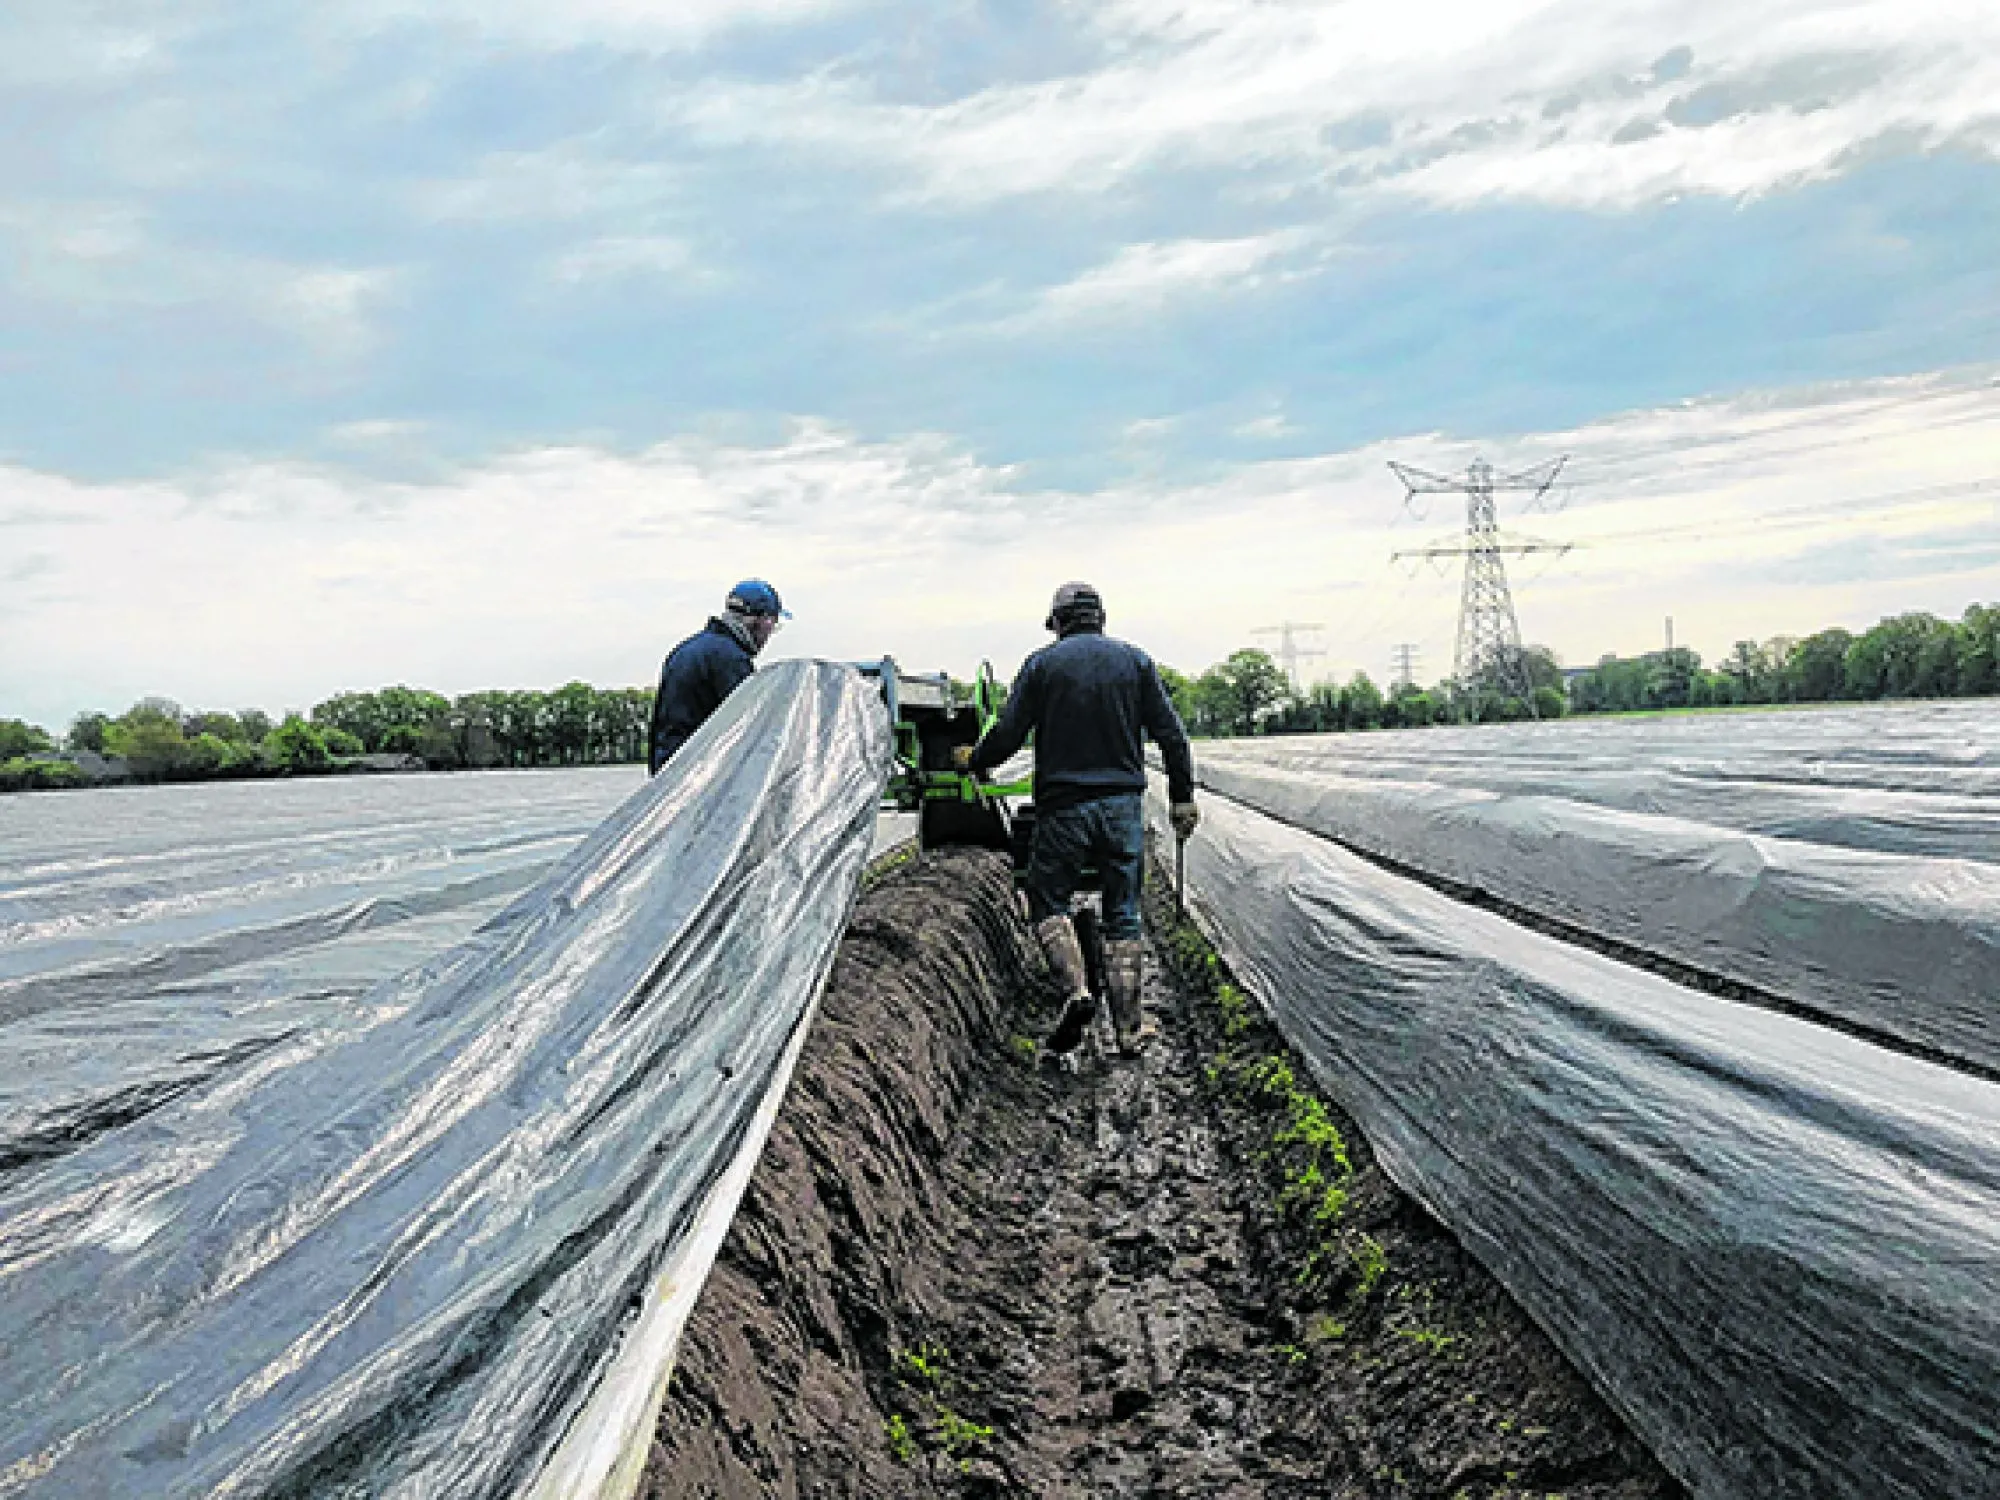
x=55 y=43
x=332 y=309
x=76 y=250
x=1568 y=101
x=281 y=583
x=1265 y=429
x=641 y=25
x=1151 y=278
x=379 y=437
x=620 y=257
x=109 y=255
x=572 y=179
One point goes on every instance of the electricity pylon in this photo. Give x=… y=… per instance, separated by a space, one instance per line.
x=1290 y=652
x=1405 y=674
x=1489 y=635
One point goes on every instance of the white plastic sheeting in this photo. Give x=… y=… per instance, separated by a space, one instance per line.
x=1903 y=947
x=1900 y=778
x=401 y=1252
x=1775 y=1247
x=161 y=938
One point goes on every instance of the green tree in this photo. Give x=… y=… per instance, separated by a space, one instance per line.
x=1817 y=669
x=1208 y=710
x=86 y=733
x=223 y=726
x=1672 y=675
x=1414 y=707
x=204 y=755
x=1543 y=667
x=1753 y=671
x=472 y=717
x=1978 y=641
x=399 y=720
x=1246 y=685
x=639 y=718
x=1888 y=660
x=151 y=745
x=518 y=727
x=1937 y=664
x=295 y=745
x=19 y=739
x=1322 y=708
x=570 y=718
x=1361 y=704
x=356 y=714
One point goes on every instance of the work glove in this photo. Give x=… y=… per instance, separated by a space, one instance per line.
x=1185 y=816
x=961 y=757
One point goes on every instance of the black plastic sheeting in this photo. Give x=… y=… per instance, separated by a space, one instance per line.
x=395 y=1257
x=1774 y=1247
x=1903 y=948
x=1900 y=778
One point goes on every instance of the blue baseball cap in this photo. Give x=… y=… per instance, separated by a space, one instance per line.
x=753 y=596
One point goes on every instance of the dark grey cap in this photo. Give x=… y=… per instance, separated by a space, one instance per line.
x=1071 y=600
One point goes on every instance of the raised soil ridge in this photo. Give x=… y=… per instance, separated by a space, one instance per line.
x=963 y=1271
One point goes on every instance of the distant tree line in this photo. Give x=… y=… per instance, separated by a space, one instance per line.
x=1249 y=694
x=1904 y=656
x=157 y=740
x=575 y=725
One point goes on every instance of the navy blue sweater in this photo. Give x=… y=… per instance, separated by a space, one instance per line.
x=1090 y=700
x=698 y=674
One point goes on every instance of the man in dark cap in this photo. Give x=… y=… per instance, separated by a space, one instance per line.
x=1090 y=702
x=710 y=665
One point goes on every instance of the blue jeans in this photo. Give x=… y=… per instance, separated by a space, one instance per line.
x=1110 y=833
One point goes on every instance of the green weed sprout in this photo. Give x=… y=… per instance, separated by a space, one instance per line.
x=1371 y=1261
x=959 y=1434
x=923 y=1365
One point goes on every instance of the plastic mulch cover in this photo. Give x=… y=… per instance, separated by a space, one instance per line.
x=1775 y=1247
x=1899 y=778
x=396 y=1257
x=1906 y=947
x=157 y=939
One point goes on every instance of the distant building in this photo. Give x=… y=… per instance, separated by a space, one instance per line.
x=390 y=762
x=100 y=769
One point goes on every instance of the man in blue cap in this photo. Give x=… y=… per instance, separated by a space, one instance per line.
x=710 y=665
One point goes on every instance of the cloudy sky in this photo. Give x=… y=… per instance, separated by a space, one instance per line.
x=485 y=342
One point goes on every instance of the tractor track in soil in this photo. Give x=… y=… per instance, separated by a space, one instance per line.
x=961 y=1271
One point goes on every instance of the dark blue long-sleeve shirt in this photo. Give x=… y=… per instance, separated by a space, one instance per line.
x=698 y=674
x=1090 y=701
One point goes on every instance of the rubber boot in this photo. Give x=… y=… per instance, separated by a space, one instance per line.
x=1057 y=936
x=1124 y=978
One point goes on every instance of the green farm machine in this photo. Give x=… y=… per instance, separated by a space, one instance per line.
x=933 y=716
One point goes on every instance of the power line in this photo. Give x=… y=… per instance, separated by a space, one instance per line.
x=1489 y=634
x=1887 y=503
x=1675 y=447
x=1290 y=652
x=1756 y=455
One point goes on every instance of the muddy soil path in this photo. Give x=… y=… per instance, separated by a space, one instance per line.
x=963 y=1271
